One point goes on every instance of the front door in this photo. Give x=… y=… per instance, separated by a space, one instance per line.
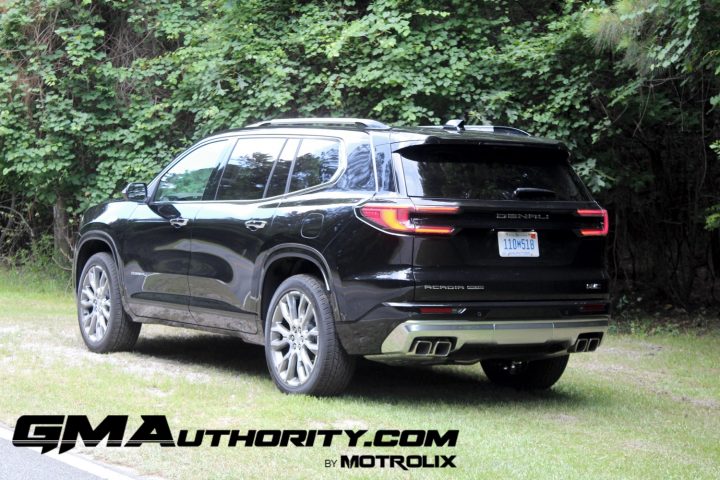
x=156 y=242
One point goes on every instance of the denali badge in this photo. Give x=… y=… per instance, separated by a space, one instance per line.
x=523 y=216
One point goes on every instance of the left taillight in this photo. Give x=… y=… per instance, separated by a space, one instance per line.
x=403 y=218
x=604 y=227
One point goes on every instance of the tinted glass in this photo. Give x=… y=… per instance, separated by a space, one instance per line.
x=248 y=168
x=386 y=176
x=189 y=178
x=316 y=162
x=359 y=174
x=487 y=174
x=278 y=180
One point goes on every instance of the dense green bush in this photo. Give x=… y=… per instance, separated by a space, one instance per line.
x=99 y=93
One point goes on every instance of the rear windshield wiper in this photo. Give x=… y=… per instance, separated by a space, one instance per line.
x=529 y=192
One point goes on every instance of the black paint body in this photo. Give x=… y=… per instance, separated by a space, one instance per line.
x=210 y=274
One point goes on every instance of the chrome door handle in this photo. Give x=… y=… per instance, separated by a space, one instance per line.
x=178 y=222
x=254 y=225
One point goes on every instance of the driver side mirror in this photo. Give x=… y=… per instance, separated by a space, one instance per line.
x=135 y=192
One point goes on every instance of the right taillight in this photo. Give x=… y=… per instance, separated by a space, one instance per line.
x=602 y=215
x=401 y=218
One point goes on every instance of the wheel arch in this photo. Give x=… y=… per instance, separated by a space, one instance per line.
x=90 y=244
x=284 y=261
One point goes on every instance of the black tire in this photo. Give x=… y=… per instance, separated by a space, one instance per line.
x=333 y=367
x=121 y=332
x=534 y=375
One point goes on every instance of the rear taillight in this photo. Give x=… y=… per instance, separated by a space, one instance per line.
x=402 y=218
x=604 y=226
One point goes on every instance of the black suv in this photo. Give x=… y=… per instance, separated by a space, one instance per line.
x=329 y=238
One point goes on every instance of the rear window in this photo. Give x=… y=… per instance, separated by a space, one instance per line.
x=489 y=173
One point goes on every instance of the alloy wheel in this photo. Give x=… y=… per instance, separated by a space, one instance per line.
x=95 y=303
x=294 y=338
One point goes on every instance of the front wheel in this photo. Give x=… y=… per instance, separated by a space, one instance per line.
x=302 y=350
x=530 y=375
x=104 y=325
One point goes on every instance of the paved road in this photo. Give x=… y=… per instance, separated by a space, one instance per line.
x=25 y=464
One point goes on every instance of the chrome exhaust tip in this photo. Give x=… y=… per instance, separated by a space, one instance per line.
x=581 y=345
x=442 y=348
x=422 y=347
x=593 y=344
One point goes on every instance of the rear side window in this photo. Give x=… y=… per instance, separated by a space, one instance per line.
x=247 y=171
x=316 y=163
x=359 y=173
x=489 y=173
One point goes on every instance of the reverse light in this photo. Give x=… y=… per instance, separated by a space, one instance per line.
x=595 y=232
x=399 y=218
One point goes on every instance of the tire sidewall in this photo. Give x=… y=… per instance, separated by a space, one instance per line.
x=106 y=262
x=324 y=325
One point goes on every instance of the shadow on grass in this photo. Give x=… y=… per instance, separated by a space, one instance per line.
x=373 y=382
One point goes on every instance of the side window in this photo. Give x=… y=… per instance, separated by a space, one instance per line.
x=359 y=174
x=386 y=177
x=189 y=178
x=248 y=168
x=280 y=173
x=316 y=162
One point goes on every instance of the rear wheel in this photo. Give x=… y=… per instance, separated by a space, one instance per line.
x=104 y=325
x=302 y=350
x=530 y=375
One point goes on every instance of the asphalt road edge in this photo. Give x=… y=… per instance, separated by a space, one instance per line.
x=89 y=466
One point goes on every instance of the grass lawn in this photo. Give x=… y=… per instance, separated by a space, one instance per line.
x=641 y=407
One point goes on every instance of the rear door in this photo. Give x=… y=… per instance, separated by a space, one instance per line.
x=523 y=226
x=230 y=232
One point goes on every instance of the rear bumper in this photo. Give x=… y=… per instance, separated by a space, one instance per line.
x=559 y=335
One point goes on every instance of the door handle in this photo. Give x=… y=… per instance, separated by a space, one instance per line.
x=178 y=222
x=254 y=225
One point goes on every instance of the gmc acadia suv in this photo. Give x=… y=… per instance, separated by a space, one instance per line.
x=326 y=239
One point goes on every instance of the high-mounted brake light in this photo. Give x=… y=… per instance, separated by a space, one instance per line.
x=400 y=218
x=595 y=232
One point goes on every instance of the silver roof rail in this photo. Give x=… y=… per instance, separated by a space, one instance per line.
x=459 y=125
x=358 y=122
x=498 y=129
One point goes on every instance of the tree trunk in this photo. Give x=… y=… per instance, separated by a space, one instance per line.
x=61 y=231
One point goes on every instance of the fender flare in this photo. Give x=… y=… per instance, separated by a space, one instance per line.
x=294 y=250
x=110 y=241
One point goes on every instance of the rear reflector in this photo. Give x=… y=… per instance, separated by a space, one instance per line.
x=401 y=218
x=595 y=232
x=593 y=308
x=436 y=310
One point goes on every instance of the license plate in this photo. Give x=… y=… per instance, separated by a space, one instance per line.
x=518 y=244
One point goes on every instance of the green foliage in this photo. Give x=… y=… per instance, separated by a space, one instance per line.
x=99 y=93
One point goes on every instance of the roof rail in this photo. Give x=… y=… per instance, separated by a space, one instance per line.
x=460 y=126
x=498 y=129
x=358 y=122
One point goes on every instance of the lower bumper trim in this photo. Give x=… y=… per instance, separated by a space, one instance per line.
x=518 y=332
